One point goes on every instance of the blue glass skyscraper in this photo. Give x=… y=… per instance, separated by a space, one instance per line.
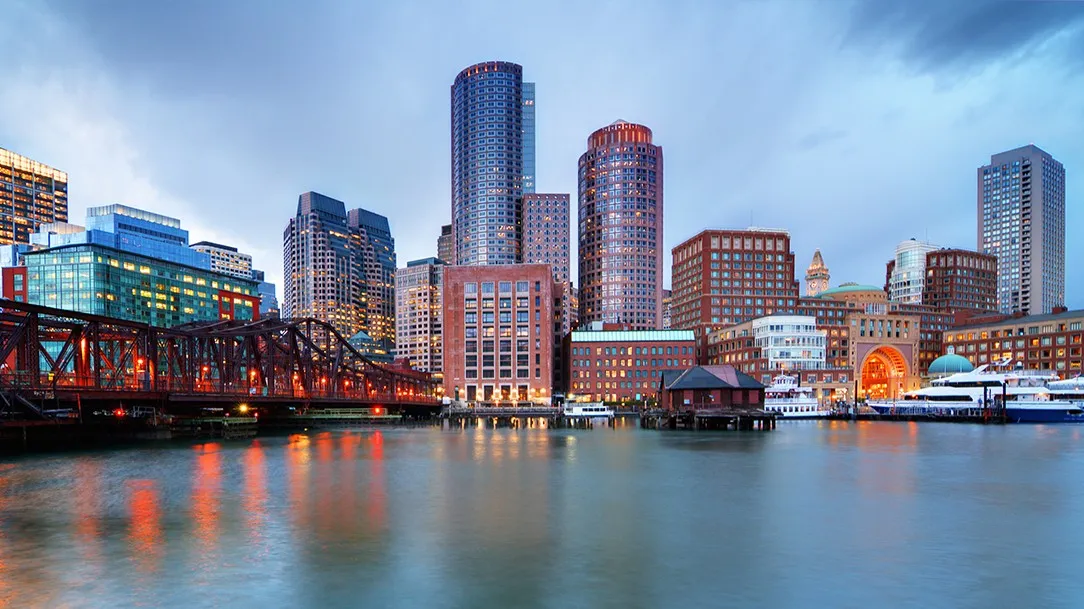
x=528 y=138
x=487 y=102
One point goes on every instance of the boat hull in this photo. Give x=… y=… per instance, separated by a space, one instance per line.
x=1062 y=413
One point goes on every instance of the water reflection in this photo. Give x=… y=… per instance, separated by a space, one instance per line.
x=145 y=527
x=206 y=490
x=254 y=500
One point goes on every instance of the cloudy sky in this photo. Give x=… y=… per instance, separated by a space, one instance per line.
x=854 y=126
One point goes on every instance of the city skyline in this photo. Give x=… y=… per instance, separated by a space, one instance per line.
x=148 y=116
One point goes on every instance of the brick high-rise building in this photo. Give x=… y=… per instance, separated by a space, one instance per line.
x=726 y=277
x=621 y=228
x=960 y=280
x=1021 y=221
x=499 y=327
x=31 y=194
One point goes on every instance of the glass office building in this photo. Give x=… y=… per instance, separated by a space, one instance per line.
x=92 y=278
x=528 y=138
x=31 y=194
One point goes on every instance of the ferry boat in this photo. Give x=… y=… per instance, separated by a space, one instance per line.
x=1061 y=402
x=974 y=393
x=588 y=410
x=786 y=398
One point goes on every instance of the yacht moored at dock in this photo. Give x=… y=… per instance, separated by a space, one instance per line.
x=588 y=410
x=786 y=398
x=1060 y=402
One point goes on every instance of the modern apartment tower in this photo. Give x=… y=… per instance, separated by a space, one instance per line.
x=419 y=317
x=620 y=229
x=488 y=133
x=31 y=194
x=1021 y=220
x=545 y=232
x=226 y=259
x=905 y=275
x=372 y=236
x=336 y=269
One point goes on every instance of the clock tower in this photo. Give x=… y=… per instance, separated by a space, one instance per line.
x=816 y=276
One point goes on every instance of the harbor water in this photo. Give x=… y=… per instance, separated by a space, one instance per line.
x=813 y=514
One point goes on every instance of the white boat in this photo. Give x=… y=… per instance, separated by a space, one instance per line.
x=975 y=393
x=588 y=410
x=786 y=398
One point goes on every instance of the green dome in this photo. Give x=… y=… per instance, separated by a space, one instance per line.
x=950 y=363
x=850 y=287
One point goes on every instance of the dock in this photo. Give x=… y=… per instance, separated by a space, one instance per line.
x=739 y=419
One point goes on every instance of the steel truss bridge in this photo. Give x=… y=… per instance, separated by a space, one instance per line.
x=53 y=360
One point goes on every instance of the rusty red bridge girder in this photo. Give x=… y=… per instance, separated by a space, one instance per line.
x=64 y=356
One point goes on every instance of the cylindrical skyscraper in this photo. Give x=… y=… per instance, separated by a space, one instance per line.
x=487 y=163
x=620 y=208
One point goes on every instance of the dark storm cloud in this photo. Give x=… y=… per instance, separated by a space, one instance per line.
x=939 y=34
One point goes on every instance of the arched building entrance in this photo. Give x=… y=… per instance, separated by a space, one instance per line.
x=883 y=374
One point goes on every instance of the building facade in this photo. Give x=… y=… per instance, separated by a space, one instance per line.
x=487 y=163
x=101 y=280
x=621 y=227
x=817 y=277
x=545 y=232
x=499 y=327
x=446 y=245
x=725 y=277
x=906 y=273
x=31 y=194
x=528 y=138
x=667 y=309
x=1036 y=342
x=623 y=366
x=269 y=302
x=419 y=316
x=371 y=235
x=1021 y=221
x=960 y=281
x=226 y=259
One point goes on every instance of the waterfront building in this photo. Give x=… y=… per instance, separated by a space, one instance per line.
x=487 y=103
x=609 y=364
x=621 y=227
x=545 y=232
x=419 y=317
x=371 y=234
x=726 y=277
x=93 y=278
x=1021 y=221
x=528 y=138
x=817 y=277
x=959 y=281
x=792 y=344
x=906 y=273
x=705 y=387
x=31 y=194
x=1052 y=341
x=499 y=326
x=446 y=245
x=269 y=302
x=226 y=259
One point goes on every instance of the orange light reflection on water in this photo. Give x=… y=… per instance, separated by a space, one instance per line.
x=255 y=497
x=86 y=499
x=145 y=527
x=206 y=494
x=298 y=463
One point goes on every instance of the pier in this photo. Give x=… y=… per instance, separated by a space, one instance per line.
x=738 y=419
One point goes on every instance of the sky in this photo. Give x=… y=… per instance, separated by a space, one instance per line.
x=853 y=125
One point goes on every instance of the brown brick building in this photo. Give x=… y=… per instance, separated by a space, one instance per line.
x=1038 y=342
x=499 y=328
x=726 y=277
x=624 y=366
x=960 y=280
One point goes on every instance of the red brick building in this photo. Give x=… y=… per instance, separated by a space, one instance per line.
x=960 y=280
x=607 y=364
x=1038 y=342
x=726 y=277
x=705 y=387
x=499 y=326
